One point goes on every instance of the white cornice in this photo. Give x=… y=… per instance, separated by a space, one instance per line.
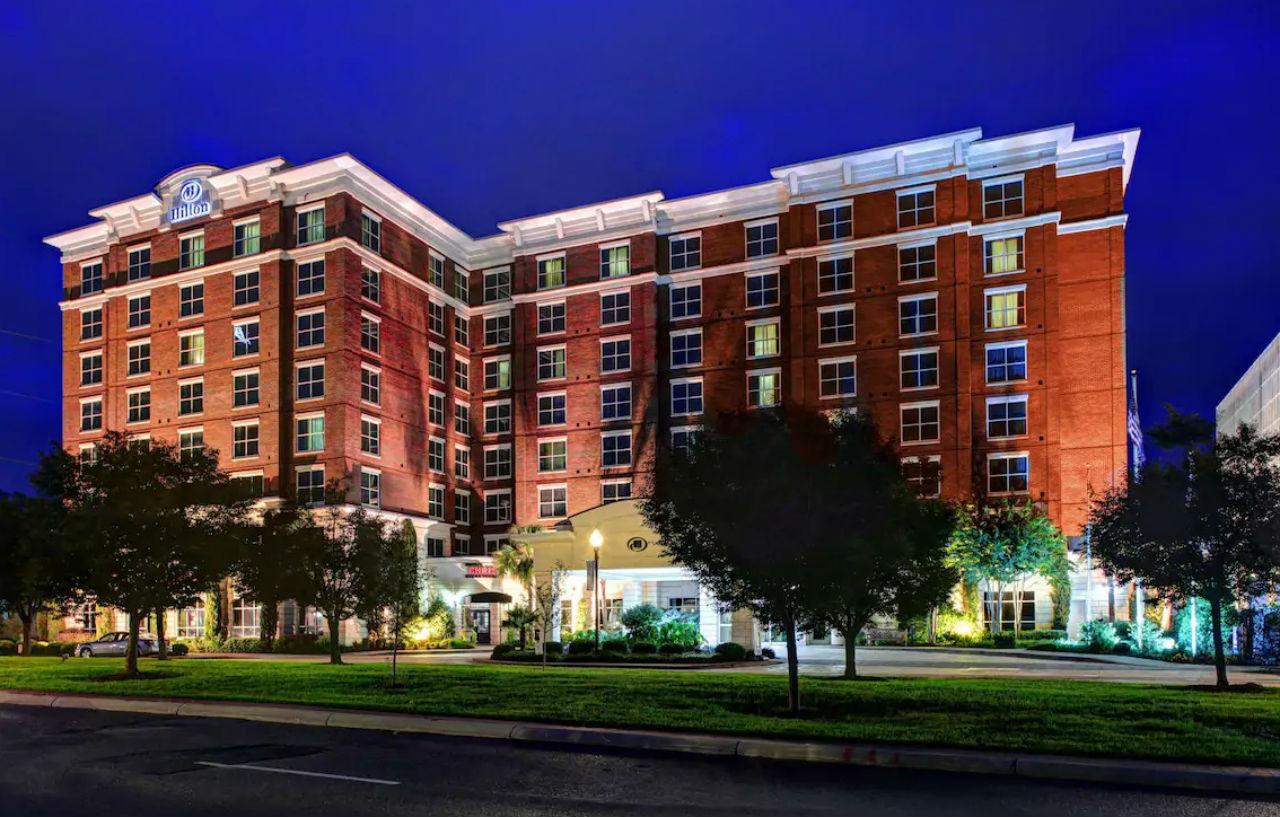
x=1118 y=220
x=904 y=237
x=560 y=293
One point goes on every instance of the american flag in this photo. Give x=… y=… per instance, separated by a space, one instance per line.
x=1137 y=456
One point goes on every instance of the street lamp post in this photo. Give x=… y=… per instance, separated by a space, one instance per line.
x=597 y=539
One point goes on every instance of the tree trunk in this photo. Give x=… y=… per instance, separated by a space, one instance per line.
x=335 y=646
x=793 y=669
x=395 y=648
x=1111 y=599
x=267 y=625
x=162 y=647
x=851 y=655
x=131 y=652
x=1219 y=654
x=28 y=621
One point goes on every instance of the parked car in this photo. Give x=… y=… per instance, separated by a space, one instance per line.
x=116 y=644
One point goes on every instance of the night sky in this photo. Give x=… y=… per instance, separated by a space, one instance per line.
x=489 y=112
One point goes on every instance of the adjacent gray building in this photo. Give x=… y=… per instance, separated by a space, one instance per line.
x=1255 y=398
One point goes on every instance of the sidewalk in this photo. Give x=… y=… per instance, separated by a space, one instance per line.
x=1237 y=779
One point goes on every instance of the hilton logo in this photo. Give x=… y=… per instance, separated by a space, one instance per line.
x=192 y=202
x=637 y=544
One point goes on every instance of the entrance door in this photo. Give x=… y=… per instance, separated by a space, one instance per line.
x=480 y=623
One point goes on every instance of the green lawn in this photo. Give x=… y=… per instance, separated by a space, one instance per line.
x=1075 y=717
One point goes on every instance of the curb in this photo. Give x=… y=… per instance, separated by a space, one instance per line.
x=1235 y=779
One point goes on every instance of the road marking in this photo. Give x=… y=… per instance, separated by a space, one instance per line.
x=254 y=768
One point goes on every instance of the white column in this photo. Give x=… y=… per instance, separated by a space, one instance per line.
x=631 y=593
x=708 y=616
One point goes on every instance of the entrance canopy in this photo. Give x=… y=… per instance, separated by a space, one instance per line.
x=489 y=598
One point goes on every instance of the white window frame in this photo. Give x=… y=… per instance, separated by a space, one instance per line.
x=746 y=289
x=1008 y=455
x=749 y=325
x=916 y=191
x=182 y=290
x=613 y=245
x=604 y=387
x=127 y=408
x=484 y=418
x=986 y=309
x=324 y=431
x=564 y=318
x=377 y=333
x=128 y=310
x=248 y=422
x=916 y=245
x=551 y=441
x=852 y=309
x=559 y=486
x=671 y=301
x=1006 y=344
x=538 y=378
x=671 y=254
x=241 y=372
x=630 y=448
x=921 y=350
x=1001 y=181
x=611 y=339
x=376 y=492
x=377 y=372
x=836 y=361
x=919 y=404
x=484 y=328
x=1008 y=399
x=671 y=351
x=817 y=221
x=775 y=370
x=484 y=504
x=563 y=257
x=761 y=222
x=987 y=240
x=204 y=349
x=611 y=293
x=297 y=330
x=537 y=408
x=837 y=290
x=702 y=396
x=937 y=315
x=238 y=322
x=301 y=364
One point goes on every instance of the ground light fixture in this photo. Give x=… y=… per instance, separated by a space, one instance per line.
x=597 y=539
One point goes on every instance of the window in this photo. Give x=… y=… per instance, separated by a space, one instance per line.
x=835 y=325
x=615 y=261
x=917 y=263
x=552 y=502
x=686 y=301
x=371 y=285
x=615 y=402
x=310 y=488
x=462 y=418
x=370 y=333
x=497 y=285
x=435 y=455
x=140 y=311
x=371 y=385
x=918 y=315
x=310 y=328
x=245 y=337
x=686 y=251
x=835 y=221
x=682 y=438
x=139 y=263
x=1002 y=197
x=1006 y=308
x=838 y=378
x=435 y=362
x=615 y=449
x=245 y=617
x=310 y=380
x=244 y=440
x=435 y=270
x=462 y=508
x=435 y=547
x=91 y=323
x=553 y=455
x=1007 y=362
x=497 y=374
x=462 y=462
x=244 y=388
x=1001 y=256
x=920 y=422
x=923 y=474
x=497 y=417
x=190 y=442
x=245 y=288
x=497 y=508
x=191 y=620
x=918 y=368
x=615 y=307
x=550 y=318
x=435 y=408
x=370 y=487
x=461 y=330
x=915 y=207
x=551 y=363
x=191 y=348
x=139 y=405
x=762 y=238
x=497 y=462
x=1007 y=416
x=615 y=355
x=764 y=388
x=497 y=328
x=686 y=348
x=191 y=300
x=435 y=318
x=252 y=484
x=311 y=278
x=139 y=358
x=551 y=272
x=371 y=436
x=91 y=414
x=310 y=428
x=191 y=251
x=248 y=238
x=762 y=289
x=461 y=285
x=1008 y=615
x=764 y=339
x=311 y=225
x=686 y=397
x=550 y=411
x=835 y=275
x=462 y=374
x=1008 y=473
x=91 y=369
x=371 y=231
x=615 y=490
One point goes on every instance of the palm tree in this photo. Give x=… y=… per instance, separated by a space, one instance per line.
x=516 y=561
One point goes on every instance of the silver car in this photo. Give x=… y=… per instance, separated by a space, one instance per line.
x=116 y=644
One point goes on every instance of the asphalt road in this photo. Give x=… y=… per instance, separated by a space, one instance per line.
x=59 y=762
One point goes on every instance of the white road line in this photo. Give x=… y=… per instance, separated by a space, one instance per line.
x=254 y=768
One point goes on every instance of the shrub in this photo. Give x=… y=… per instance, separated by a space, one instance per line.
x=1042 y=635
x=1122 y=648
x=1099 y=635
x=642 y=622
x=580 y=646
x=671 y=649
x=461 y=643
x=178 y=649
x=644 y=648
x=731 y=651
x=301 y=644
x=680 y=632
x=502 y=650
x=614 y=645
x=8 y=647
x=553 y=648
x=767 y=652
x=1004 y=641
x=240 y=645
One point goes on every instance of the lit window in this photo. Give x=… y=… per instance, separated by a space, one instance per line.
x=918 y=368
x=551 y=318
x=310 y=278
x=762 y=239
x=191 y=251
x=191 y=348
x=1007 y=416
x=310 y=380
x=1006 y=308
x=915 y=207
x=918 y=315
x=1002 y=198
x=139 y=263
x=917 y=263
x=615 y=261
x=245 y=288
x=686 y=301
x=551 y=363
x=615 y=402
x=838 y=378
x=497 y=329
x=764 y=388
x=764 y=339
x=615 y=449
x=1007 y=362
x=310 y=437
x=551 y=411
x=371 y=231
x=552 y=502
x=553 y=455
x=920 y=422
x=244 y=388
x=686 y=397
x=497 y=374
x=835 y=325
x=615 y=355
x=686 y=348
x=1002 y=255
x=311 y=225
x=248 y=238
x=1008 y=473
x=835 y=221
x=835 y=275
x=615 y=308
x=551 y=272
x=686 y=252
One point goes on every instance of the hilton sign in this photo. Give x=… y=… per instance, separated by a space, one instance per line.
x=191 y=202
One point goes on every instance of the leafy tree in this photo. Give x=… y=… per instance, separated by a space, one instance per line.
x=521 y=617
x=1207 y=526
x=546 y=602
x=395 y=591
x=156 y=525
x=38 y=567
x=641 y=622
x=516 y=561
x=267 y=565
x=1003 y=543
x=743 y=510
x=883 y=547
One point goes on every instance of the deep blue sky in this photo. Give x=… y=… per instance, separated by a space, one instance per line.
x=488 y=112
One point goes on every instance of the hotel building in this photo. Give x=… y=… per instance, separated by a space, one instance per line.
x=315 y=322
